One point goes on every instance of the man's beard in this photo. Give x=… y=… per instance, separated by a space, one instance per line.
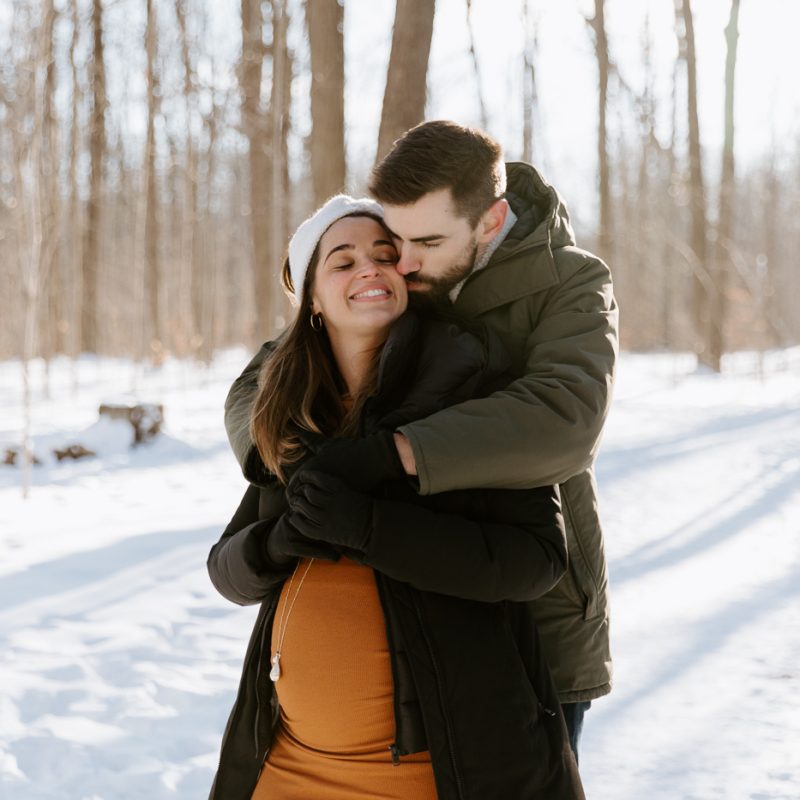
x=438 y=289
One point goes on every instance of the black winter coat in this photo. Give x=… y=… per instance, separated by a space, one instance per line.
x=455 y=574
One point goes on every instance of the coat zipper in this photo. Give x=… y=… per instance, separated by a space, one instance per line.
x=236 y=703
x=440 y=687
x=393 y=748
x=260 y=656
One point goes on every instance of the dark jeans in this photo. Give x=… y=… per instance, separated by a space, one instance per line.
x=573 y=716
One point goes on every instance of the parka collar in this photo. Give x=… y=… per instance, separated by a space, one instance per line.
x=525 y=258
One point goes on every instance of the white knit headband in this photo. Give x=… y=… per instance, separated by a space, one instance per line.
x=307 y=236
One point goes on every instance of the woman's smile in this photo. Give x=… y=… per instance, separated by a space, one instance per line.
x=372 y=294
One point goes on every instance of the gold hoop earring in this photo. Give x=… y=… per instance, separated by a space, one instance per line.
x=316 y=322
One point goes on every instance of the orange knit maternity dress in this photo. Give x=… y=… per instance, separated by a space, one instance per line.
x=335 y=693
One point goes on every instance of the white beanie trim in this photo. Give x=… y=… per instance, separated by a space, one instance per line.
x=307 y=236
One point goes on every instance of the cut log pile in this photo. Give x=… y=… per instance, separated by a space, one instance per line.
x=145 y=420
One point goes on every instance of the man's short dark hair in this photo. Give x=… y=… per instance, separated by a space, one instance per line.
x=442 y=155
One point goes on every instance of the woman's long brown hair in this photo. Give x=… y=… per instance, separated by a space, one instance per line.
x=300 y=388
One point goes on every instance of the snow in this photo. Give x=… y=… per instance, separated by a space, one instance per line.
x=119 y=662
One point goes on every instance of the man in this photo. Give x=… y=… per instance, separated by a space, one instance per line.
x=505 y=254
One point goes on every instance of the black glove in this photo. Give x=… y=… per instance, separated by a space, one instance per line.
x=325 y=509
x=283 y=543
x=362 y=463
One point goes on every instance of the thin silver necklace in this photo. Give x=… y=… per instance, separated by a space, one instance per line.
x=283 y=623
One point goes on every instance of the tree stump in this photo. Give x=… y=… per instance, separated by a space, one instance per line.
x=145 y=418
x=13 y=453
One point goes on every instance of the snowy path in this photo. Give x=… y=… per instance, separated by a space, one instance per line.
x=700 y=491
x=118 y=661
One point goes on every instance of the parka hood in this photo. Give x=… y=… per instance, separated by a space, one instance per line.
x=524 y=262
x=542 y=215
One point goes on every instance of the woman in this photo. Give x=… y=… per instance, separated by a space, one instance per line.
x=394 y=655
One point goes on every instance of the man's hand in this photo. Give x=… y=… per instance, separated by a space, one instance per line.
x=325 y=509
x=406 y=453
x=362 y=463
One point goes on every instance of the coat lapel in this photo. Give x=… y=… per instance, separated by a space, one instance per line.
x=509 y=276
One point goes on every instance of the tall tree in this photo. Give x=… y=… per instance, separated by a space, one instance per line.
x=97 y=146
x=280 y=200
x=476 y=67
x=529 y=94
x=598 y=25
x=74 y=259
x=726 y=200
x=151 y=216
x=404 y=98
x=697 y=238
x=258 y=133
x=52 y=307
x=191 y=273
x=325 y=21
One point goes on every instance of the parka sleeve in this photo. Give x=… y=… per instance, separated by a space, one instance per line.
x=238 y=407
x=545 y=426
x=512 y=546
x=238 y=564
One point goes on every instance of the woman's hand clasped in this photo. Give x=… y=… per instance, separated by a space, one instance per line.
x=326 y=509
x=284 y=542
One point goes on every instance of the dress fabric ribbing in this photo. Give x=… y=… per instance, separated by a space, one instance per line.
x=335 y=693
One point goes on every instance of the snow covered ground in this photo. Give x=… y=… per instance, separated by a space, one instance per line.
x=118 y=661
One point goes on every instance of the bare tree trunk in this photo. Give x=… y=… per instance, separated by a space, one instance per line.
x=151 y=218
x=669 y=223
x=191 y=274
x=404 y=98
x=642 y=270
x=258 y=135
x=529 y=95
x=208 y=319
x=279 y=119
x=474 y=55
x=605 y=233
x=286 y=184
x=52 y=305
x=726 y=197
x=174 y=282
x=697 y=239
x=97 y=146
x=28 y=168
x=75 y=216
x=325 y=21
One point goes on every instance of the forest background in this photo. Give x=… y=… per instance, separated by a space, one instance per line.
x=156 y=154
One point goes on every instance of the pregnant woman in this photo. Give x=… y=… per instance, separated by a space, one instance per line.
x=394 y=655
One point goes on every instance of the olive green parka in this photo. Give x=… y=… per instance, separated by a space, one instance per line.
x=552 y=306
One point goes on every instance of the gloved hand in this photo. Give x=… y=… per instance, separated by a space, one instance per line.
x=361 y=463
x=283 y=543
x=325 y=509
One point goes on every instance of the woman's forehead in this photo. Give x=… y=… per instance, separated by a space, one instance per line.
x=352 y=229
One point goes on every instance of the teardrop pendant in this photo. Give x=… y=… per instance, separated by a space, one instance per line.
x=275 y=672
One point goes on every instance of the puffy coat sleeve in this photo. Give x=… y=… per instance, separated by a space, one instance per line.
x=238 y=406
x=509 y=546
x=238 y=564
x=545 y=426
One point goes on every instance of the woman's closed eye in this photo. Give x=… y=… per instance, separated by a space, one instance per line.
x=386 y=256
